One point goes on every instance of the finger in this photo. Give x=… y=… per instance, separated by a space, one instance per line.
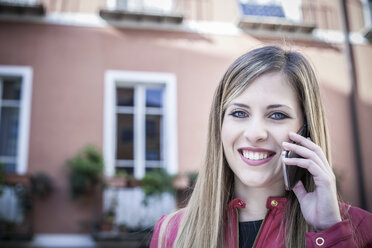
x=308 y=164
x=309 y=144
x=299 y=191
x=303 y=152
x=321 y=177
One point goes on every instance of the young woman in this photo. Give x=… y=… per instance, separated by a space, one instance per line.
x=239 y=199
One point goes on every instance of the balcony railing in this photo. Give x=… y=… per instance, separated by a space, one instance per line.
x=273 y=18
x=16 y=212
x=21 y=7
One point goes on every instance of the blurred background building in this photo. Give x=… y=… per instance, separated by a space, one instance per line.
x=135 y=80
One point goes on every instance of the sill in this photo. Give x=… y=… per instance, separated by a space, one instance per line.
x=122 y=15
x=12 y=179
x=275 y=25
x=22 y=9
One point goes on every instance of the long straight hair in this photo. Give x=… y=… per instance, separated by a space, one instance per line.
x=203 y=221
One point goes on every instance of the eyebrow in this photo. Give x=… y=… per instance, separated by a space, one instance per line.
x=272 y=106
x=278 y=106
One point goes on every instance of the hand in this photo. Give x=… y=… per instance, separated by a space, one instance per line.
x=320 y=207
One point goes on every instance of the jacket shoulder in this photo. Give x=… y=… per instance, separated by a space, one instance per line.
x=166 y=229
x=361 y=221
x=356 y=215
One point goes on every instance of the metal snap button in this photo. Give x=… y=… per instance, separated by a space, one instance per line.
x=274 y=203
x=319 y=241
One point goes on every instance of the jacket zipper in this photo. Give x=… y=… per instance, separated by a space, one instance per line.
x=259 y=231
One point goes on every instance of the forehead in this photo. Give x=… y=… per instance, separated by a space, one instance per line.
x=270 y=88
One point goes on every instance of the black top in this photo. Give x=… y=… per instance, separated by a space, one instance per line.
x=248 y=232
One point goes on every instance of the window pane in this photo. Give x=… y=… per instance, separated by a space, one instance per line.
x=124 y=97
x=128 y=171
x=153 y=137
x=125 y=136
x=11 y=89
x=252 y=8
x=162 y=6
x=9 y=167
x=8 y=131
x=154 y=98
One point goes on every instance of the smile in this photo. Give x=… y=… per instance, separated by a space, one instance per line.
x=256 y=156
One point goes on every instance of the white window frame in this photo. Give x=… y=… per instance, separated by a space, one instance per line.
x=367 y=13
x=114 y=79
x=25 y=72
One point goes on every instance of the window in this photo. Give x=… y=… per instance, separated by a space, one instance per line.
x=367 y=12
x=18 y=1
x=370 y=8
x=138 y=106
x=286 y=9
x=154 y=6
x=140 y=118
x=15 y=101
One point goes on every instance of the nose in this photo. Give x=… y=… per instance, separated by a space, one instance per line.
x=256 y=131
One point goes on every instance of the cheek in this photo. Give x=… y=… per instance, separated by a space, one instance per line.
x=283 y=137
x=225 y=137
x=228 y=137
x=280 y=136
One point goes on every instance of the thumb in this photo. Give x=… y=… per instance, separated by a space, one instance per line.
x=299 y=191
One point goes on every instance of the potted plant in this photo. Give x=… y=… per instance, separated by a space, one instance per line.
x=41 y=185
x=133 y=182
x=107 y=224
x=85 y=171
x=156 y=182
x=119 y=180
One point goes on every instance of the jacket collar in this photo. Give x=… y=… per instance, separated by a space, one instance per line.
x=271 y=202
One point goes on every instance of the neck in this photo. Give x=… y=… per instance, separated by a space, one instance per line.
x=255 y=199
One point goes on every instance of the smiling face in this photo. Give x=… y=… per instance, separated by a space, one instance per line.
x=255 y=124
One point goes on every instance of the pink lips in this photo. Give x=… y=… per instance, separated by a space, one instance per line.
x=256 y=162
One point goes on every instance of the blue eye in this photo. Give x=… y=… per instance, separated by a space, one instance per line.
x=278 y=116
x=239 y=114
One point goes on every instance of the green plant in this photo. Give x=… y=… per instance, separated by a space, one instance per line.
x=41 y=185
x=157 y=182
x=193 y=176
x=121 y=173
x=85 y=171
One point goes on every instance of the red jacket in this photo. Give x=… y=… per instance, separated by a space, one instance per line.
x=338 y=235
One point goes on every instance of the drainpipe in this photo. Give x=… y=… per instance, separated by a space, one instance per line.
x=353 y=104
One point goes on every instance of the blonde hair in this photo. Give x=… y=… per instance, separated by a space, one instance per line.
x=203 y=222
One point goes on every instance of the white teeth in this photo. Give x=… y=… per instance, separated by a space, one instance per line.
x=255 y=155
